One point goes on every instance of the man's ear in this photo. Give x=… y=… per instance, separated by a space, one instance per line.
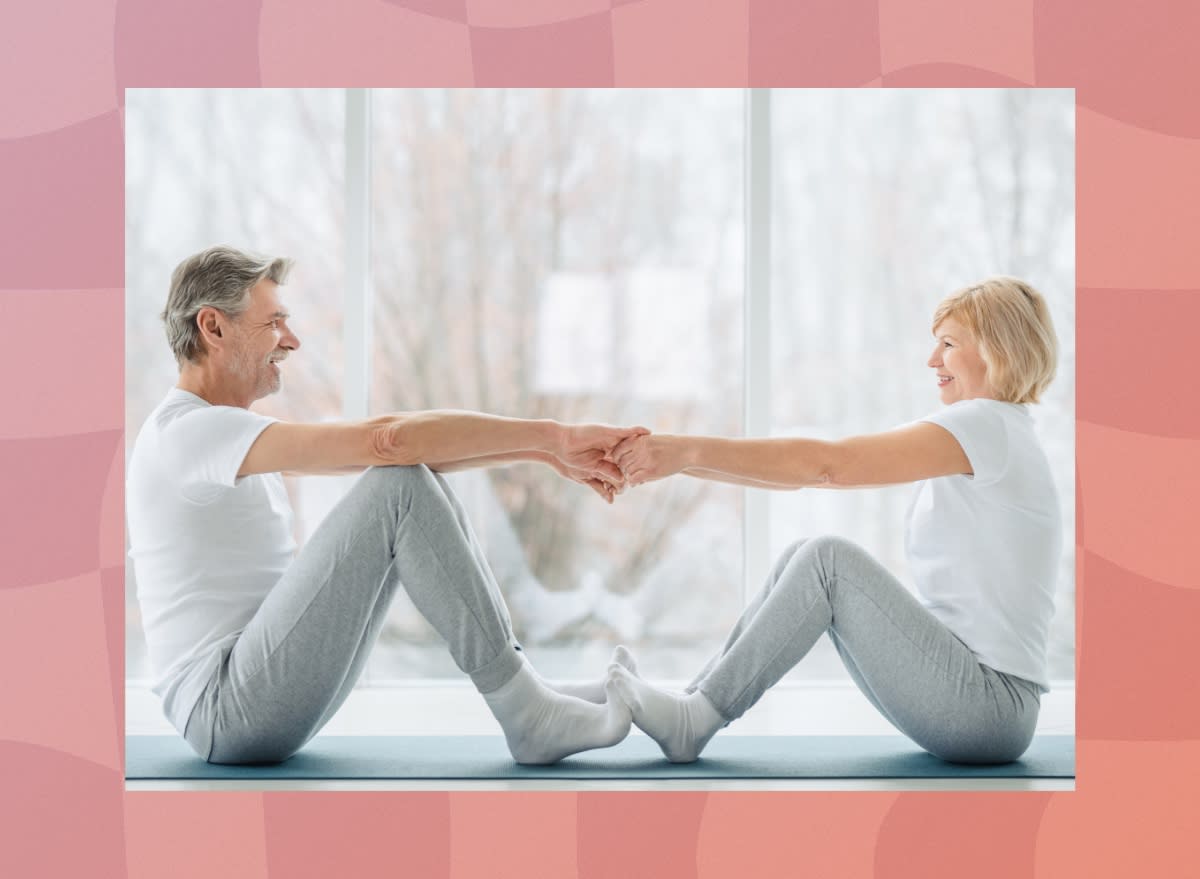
x=211 y=324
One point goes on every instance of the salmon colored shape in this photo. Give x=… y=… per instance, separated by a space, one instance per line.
x=1138 y=206
x=447 y=10
x=576 y=52
x=176 y=44
x=949 y=76
x=1133 y=814
x=1137 y=668
x=53 y=670
x=360 y=43
x=192 y=835
x=48 y=337
x=646 y=834
x=62 y=195
x=769 y=835
x=50 y=517
x=360 y=835
x=1136 y=62
x=112 y=512
x=681 y=42
x=814 y=42
x=1138 y=491
x=530 y=13
x=980 y=835
x=982 y=34
x=60 y=816
x=112 y=595
x=500 y=835
x=56 y=60
x=1114 y=327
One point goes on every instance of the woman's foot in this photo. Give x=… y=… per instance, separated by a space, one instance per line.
x=681 y=723
x=543 y=726
x=593 y=691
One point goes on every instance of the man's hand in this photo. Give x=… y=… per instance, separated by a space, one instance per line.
x=647 y=458
x=608 y=487
x=583 y=456
x=587 y=447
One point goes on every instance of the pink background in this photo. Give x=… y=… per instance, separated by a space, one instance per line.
x=63 y=67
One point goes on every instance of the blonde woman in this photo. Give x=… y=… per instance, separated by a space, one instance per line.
x=960 y=668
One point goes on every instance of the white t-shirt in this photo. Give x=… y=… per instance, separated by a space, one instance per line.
x=984 y=549
x=206 y=546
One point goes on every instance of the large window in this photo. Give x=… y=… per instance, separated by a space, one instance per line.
x=583 y=255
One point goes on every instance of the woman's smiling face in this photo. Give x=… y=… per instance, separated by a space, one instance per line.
x=961 y=372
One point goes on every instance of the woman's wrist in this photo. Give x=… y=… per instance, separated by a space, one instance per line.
x=688 y=449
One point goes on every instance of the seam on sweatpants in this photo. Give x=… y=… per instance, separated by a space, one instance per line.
x=237 y=686
x=946 y=673
x=482 y=628
x=833 y=582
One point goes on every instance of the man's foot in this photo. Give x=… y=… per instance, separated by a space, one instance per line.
x=542 y=726
x=593 y=691
x=681 y=723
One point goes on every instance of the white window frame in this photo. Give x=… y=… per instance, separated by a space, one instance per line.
x=756 y=346
x=358 y=333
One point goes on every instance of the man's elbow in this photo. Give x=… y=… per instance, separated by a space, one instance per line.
x=388 y=445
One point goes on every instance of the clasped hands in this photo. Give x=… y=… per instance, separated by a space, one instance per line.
x=609 y=459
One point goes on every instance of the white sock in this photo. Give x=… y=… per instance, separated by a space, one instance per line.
x=593 y=691
x=542 y=726
x=681 y=723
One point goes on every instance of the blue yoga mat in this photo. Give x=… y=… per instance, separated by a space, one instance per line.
x=486 y=757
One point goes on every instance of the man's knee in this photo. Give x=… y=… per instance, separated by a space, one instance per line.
x=391 y=482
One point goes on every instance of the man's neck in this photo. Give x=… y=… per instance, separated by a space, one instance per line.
x=196 y=379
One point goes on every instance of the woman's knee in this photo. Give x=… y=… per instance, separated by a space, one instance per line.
x=835 y=546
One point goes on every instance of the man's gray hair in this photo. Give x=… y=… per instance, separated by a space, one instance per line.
x=219 y=277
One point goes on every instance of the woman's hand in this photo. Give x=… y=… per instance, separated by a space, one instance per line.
x=647 y=458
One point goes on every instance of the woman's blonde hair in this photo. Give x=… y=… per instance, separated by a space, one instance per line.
x=1011 y=324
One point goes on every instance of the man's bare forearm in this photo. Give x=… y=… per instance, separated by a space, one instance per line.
x=446 y=436
x=499 y=460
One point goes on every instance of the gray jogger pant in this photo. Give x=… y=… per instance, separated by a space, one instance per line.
x=918 y=674
x=298 y=658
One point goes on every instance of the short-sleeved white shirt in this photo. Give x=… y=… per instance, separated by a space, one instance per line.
x=984 y=549
x=206 y=546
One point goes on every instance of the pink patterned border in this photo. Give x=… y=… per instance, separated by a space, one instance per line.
x=63 y=67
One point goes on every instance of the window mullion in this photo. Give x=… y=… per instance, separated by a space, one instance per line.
x=756 y=542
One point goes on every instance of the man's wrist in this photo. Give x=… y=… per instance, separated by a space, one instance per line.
x=551 y=437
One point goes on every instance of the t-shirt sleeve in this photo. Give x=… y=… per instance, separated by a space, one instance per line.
x=980 y=430
x=207 y=446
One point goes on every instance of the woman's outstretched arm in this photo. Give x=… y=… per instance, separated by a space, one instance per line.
x=907 y=454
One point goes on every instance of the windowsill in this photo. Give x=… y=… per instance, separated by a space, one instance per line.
x=442 y=708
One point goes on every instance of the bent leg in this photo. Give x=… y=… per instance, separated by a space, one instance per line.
x=298 y=658
x=916 y=671
x=925 y=680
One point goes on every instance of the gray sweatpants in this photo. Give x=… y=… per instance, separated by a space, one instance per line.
x=298 y=658
x=922 y=678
